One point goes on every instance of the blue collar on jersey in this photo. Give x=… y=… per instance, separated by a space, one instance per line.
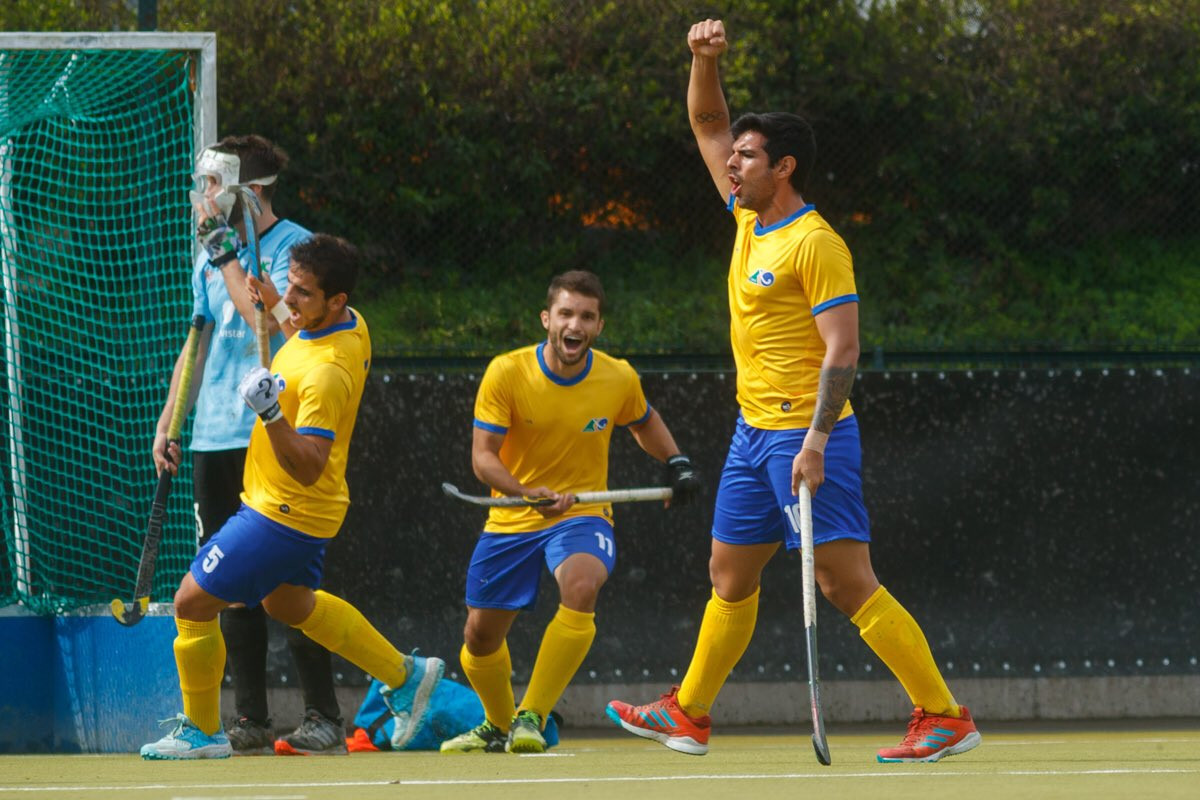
x=557 y=379
x=759 y=229
x=334 y=328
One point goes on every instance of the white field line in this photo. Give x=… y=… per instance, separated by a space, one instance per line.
x=989 y=742
x=244 y=797
x=919 y=773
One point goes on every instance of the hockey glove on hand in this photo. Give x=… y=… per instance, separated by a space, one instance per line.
x=261 y=393
x=218 y=240
x=685 y=483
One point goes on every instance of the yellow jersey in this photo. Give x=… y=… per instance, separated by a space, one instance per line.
x=556 y=430
x=320 y=375
x=780 y=277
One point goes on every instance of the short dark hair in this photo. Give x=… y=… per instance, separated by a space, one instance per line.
x=579 y=281
x=784 y=134
x=332 y=260
x=260 y=158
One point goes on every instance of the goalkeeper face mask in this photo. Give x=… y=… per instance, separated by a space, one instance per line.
x=216 y=179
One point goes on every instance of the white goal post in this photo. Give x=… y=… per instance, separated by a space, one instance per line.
x=98 y=134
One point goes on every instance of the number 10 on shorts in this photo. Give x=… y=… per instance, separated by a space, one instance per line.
x=792 y=513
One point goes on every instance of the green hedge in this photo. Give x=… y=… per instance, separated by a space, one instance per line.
x=1134 y=293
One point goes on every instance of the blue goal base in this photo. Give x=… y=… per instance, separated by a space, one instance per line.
x=84 y=683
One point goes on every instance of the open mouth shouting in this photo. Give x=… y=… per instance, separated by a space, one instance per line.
x=571 y=347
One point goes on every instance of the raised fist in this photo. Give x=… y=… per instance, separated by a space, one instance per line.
x=261 y=393
x=707 y=38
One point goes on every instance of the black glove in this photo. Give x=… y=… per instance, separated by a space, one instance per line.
x=685 y=483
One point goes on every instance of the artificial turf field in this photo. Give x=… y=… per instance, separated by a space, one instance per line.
x=1096 y=761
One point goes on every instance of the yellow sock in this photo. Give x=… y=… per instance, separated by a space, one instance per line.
x=200 y=659
x=491 y=678
x=341 y=628
x=724 y=635
x=896 y=638
x=565 y=643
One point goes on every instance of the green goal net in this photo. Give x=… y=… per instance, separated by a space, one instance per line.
x=97 y=140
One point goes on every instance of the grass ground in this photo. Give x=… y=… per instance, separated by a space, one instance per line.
x=1030 y=762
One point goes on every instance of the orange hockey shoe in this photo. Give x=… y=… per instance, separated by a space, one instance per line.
x=664 y=721
x=932 y=737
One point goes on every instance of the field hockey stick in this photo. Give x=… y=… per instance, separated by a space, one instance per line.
x=613 y=496
x=132 y=613
x=261 y=333
x=820 y=743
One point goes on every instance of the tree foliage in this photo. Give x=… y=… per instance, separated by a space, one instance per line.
x=987 y=160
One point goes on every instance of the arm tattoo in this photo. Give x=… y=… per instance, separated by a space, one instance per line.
x=706 y=117
x=832 y=393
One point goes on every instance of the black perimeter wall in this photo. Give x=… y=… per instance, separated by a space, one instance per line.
x=1036 y=523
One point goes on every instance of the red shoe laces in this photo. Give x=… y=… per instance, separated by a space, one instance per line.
x=915 y=732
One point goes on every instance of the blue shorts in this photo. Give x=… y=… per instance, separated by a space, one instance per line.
x=756 y=488
x=253 y=555
x=506 y=567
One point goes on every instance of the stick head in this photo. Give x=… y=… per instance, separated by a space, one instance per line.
x=129 y=615
x=822 y=749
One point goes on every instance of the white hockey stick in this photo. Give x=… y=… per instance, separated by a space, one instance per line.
x=614 y=496
x=820 y=743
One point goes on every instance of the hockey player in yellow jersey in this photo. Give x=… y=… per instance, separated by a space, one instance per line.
x=544 y=417
x=794 y=329
x=272 y=550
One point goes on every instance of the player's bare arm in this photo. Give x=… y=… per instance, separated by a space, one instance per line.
x=834 y=390
x=708 y=112
x=159 y=449
x=838 y=327
x=486 y=463
x=219 y=239
x=303 y=456
x=266 y=292
x=654 y=437
x=243 y=301
x=212 y=231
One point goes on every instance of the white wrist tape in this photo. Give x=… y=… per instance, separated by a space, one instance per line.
x=280 y=312
x=815 y=440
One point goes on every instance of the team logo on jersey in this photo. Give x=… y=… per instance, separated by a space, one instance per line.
x=597 y=424
x=762 y=277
